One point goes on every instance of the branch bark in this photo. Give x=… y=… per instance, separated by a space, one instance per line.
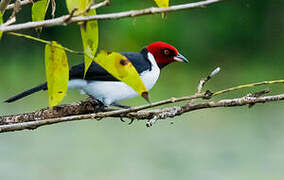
x=84 y=108
x=136 y=113
x=133 y=13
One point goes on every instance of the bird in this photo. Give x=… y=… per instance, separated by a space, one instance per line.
x=102 y=86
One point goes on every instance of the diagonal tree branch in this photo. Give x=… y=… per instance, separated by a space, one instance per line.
x=133 y=13
x=150 y=114
x=84 y=107
x=89 y=109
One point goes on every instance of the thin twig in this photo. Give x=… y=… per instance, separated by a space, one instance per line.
x=101 y=4
x=133 y=13
x=3 y=5
x=247 y=86
x=53 y=8
x=24 y=2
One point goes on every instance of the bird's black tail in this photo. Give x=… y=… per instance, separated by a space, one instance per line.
x=28 y=92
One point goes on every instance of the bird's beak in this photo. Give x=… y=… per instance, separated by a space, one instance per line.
x=180 y=58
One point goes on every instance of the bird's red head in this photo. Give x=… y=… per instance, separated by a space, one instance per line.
x=165 y=54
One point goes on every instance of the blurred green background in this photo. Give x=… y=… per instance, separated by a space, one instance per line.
x=244 y=37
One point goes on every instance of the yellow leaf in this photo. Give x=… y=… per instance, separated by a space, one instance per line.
x=1 y=22
x=162 y=3
x=57 y=72
x=90 y=39
x=39 y=10
x=121 y=68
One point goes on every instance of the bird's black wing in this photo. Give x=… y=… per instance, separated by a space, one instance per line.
x=97 y=73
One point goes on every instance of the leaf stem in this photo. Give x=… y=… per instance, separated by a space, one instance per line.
x=44 y=42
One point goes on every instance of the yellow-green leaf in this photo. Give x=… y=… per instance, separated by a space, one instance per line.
x=121 y=68
x=39 y=10
x=80 y=5
x=57 y=72
x=162 y=3
x=1 y=22
x=90 y=39
x=89 y=30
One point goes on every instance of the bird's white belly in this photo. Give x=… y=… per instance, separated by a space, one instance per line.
x=109 y=92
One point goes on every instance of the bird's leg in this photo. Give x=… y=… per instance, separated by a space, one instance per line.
x=120 y=105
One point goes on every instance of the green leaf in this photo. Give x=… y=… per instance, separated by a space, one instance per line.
x=39 y=10
x=121 y=68
x=162 y=3
x=1 y=22
x=90 y=39
x=57 y=72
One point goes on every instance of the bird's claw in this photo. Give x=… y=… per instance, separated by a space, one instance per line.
x=131 y=121
x=121 y=119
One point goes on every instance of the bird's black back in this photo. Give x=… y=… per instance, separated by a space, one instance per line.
x=97 y=73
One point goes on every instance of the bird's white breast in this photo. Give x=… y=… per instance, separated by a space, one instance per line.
x=109 y=92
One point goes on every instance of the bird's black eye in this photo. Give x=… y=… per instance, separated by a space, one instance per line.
x=166 y=52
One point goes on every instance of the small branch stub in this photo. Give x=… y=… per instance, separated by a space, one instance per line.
x=208 y=94
x=216 y=71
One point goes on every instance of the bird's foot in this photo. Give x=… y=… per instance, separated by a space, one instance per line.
x=122 y=116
